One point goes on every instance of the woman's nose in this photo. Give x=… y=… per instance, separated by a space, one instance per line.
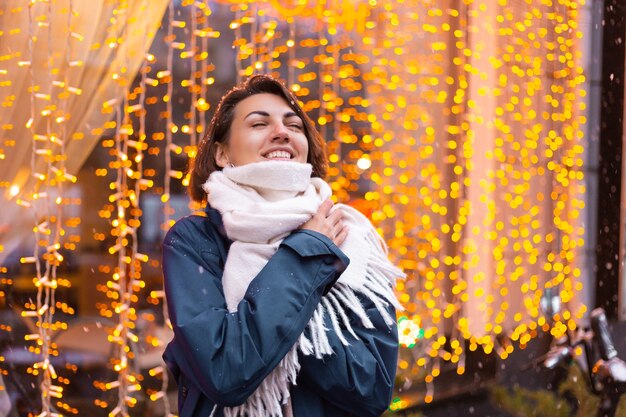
x=281 y=132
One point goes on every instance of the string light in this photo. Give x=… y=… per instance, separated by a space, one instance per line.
x=47 y=127
x=125 y=282
x=170 y=126
x=460 y=138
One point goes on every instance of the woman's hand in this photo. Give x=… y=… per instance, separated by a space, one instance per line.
x=327 y=223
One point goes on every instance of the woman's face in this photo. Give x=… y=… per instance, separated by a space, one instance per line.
x=264 y=128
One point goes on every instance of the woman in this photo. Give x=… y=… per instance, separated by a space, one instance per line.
x=281 y=302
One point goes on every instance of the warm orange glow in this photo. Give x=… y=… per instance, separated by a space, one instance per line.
x=454 y=138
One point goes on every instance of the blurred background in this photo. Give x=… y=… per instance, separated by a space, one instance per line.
x=483 y=138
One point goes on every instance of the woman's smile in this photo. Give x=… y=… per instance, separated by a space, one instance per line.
x=279 y=154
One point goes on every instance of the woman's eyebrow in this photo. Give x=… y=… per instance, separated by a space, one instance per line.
x=290 y=114
x=259 y=112
x=287 y=115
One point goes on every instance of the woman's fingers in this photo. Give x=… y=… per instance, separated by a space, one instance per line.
x=341 y=236
x=335 y=221
x=324 y=208
x=328 y=222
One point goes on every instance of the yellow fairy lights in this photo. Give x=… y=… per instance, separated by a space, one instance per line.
x=456 y=129
x=128 y=147
x=489 y=215
x=49 y=89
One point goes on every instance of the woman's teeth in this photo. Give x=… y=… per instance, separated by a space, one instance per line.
x=278 y=155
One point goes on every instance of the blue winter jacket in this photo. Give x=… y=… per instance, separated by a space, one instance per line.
x=220 y=358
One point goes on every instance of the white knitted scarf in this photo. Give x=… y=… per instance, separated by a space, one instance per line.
x=262 y=203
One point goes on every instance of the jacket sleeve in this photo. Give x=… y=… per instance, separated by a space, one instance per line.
x=227 y=355
x=359 y=377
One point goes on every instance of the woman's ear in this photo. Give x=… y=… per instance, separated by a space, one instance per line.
x=221 y=157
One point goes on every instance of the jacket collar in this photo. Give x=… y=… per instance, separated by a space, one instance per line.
x=215 y=218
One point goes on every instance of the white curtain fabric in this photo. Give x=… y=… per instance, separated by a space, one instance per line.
x=96 y=48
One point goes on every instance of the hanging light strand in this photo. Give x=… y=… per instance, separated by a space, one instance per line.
x=48 y=161
x=170 y=127
x=207 y=32
x=126 y=278
x=194 y=89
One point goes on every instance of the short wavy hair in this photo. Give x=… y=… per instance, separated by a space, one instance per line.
x=218 y=131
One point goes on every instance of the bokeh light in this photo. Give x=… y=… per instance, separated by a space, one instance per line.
x=456 y=127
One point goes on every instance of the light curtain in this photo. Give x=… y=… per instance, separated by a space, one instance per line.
x=477 y=182
x=93 y=47
x=459 y=124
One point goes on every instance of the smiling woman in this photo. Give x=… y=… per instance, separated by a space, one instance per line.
x=224 y=123
x=264 y=128
x=282 y=303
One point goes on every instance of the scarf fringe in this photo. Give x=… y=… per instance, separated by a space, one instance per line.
x=335 y=303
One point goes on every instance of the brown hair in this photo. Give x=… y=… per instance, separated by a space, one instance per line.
x=219 y=129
